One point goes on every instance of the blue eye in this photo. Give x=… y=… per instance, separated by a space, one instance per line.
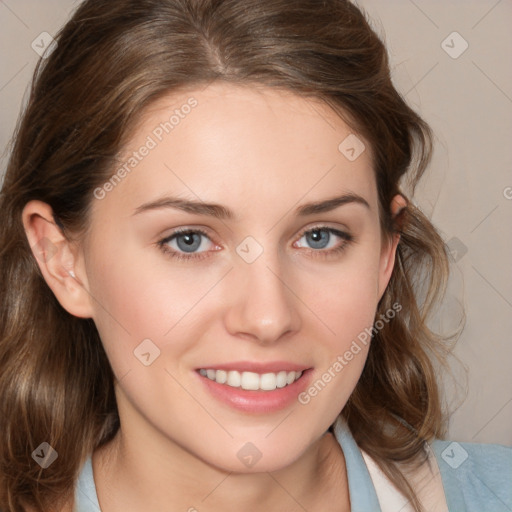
x=188 y=241
x=320 y=238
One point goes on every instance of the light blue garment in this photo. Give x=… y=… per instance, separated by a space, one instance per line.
x=476 y=477
x=86 y=499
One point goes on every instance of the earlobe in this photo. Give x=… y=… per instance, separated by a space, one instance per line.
x=387 y=260
x=57 y=258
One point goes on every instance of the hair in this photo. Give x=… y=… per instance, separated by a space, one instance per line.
x=112 y=60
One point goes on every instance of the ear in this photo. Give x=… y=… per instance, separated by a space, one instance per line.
x=389 y=245
x=58 y=258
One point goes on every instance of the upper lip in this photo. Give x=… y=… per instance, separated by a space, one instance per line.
x=251 y=366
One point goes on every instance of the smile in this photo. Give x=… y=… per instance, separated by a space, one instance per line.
x=252 y=381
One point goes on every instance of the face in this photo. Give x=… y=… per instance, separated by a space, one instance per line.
x=250 y=284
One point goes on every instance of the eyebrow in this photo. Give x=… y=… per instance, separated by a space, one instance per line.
x=221 y=212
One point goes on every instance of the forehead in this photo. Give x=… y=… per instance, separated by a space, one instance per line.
x=241 y=146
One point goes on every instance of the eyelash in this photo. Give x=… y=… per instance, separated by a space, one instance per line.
x=162 y=244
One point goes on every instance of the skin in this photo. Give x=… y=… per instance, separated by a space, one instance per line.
x=261 y=153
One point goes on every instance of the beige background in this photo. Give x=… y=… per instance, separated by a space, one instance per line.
x=468 y=192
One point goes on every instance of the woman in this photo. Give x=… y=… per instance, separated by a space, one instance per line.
x=210 y=272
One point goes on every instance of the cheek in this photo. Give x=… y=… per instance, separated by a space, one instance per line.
x=345 y=297
x=136 y=300
x=346 y=308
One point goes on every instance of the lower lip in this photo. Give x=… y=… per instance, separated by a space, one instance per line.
x=258 y=401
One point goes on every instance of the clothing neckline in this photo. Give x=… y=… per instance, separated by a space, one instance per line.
x=362 y=494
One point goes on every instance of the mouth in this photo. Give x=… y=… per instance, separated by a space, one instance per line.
x=258 y=388
x=252 y=381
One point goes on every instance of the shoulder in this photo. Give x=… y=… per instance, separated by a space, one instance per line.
x=475 y=476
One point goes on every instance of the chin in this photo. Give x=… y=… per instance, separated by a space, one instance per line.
x=256 y=457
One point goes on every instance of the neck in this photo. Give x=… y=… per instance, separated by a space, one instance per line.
x=133 y=475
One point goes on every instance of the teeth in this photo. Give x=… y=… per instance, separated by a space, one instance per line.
x=251 y=381
x=221 y=376
x=268 y=381
x=281 y=379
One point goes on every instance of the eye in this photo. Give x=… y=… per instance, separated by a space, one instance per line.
x=184 y=243
x=322 y=239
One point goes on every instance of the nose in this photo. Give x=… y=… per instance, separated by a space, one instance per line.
x=263 y=305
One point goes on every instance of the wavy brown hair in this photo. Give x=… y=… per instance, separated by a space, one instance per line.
x=112 y=60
